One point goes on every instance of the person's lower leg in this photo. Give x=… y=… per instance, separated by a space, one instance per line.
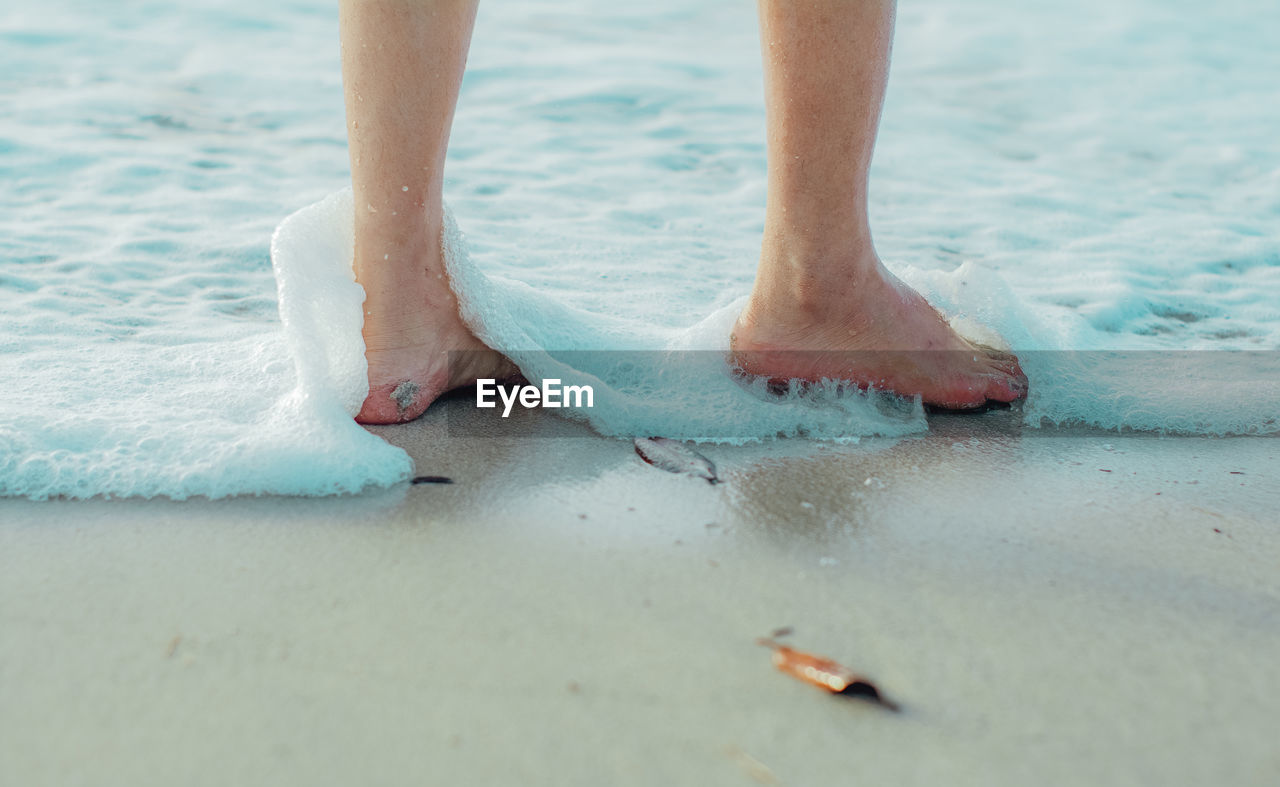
x=823 y=305
x=402 y=68
x=826 y=65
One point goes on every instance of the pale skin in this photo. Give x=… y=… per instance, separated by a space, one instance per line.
x=823 y=305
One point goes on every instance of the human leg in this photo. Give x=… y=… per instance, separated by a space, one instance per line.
x=823 y=304
x=402 y=64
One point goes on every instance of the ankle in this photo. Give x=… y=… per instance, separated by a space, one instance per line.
x=805 y=283
x=391 y=244
x=403 y=274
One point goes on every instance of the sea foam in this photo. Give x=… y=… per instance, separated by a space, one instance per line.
x=1103 y=198
x=213 y=419
x=241 y=414
x=678 y=382
x=647 y=379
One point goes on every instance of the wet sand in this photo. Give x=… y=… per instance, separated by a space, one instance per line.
x=1072 y=609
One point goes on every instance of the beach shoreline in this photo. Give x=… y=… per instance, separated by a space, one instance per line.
x=1085 y=608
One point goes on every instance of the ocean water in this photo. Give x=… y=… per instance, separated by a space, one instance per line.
x=1094 y=177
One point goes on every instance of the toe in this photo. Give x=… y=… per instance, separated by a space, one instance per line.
x=1006 y=373
x=963 y=391
x=1005 y=387
x=1002 y=366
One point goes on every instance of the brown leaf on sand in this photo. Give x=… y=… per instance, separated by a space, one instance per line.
x=825 y=674
x=676 y=457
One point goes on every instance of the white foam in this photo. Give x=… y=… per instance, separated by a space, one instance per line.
x=320 y=302
x=232 y=416
x=1017 y=181
x=652 y=380
x=1080 y=375
x=213 y=419
x=676 y=382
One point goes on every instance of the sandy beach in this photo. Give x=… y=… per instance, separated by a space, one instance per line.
x=1094 y=185
x=1082 y=608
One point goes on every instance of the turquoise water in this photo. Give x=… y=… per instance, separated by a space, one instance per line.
x=1099 y=176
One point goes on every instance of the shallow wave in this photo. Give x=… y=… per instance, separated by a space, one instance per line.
x=677 y=382
x=1087 y=178
x=647 y=380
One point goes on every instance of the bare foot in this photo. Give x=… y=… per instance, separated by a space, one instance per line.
x=411 y=327
x=881 y=334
